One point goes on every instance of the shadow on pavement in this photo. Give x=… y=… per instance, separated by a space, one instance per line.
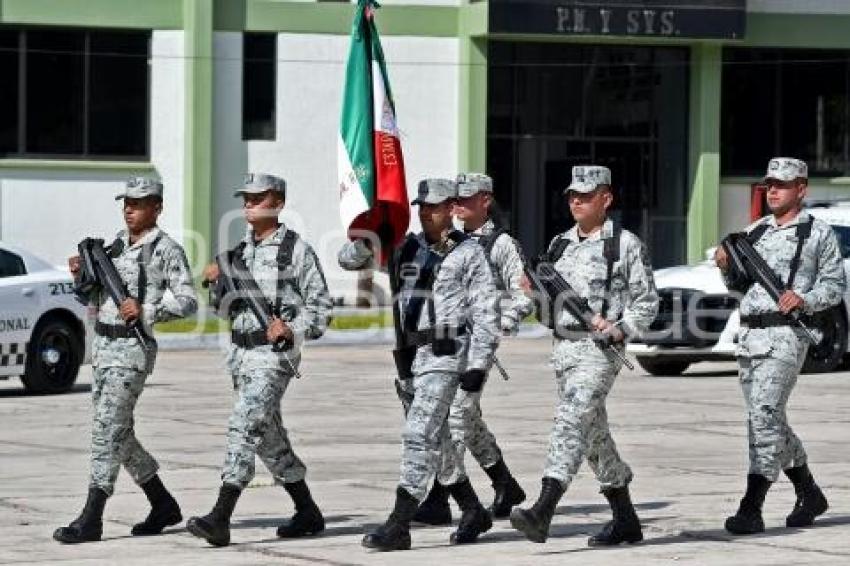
x=268 y=522
x=707 y=535
x=604 y=508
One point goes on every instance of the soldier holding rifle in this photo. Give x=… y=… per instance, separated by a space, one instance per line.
x=803 y=253
x=154 y=280
x=264 y=356
x=605 y=266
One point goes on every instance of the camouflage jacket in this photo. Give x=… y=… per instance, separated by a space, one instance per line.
x=305 y=302
x=464 y=296
x=168 y=294
x=507 y=262
x=633 y=300
x=820 y=281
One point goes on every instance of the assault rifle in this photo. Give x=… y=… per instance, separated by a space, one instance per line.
x=97 y=270
x=235 y=283
x=549 y=284
x=747 y=264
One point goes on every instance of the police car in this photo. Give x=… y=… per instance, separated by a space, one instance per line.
x=43 y=337
x=698 y=318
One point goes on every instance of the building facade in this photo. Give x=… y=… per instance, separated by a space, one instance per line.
x=684 y=101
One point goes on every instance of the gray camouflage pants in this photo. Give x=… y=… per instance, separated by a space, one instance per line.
x=256 y=429
x=467 y=430
x=427 y=399
x=584 y=375
x=767 y=384
x=115 y=391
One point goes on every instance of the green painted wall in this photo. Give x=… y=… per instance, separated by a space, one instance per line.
x=198 y=104
x=704 y=149
x=137 y=14
x=472 y=102
x=332 y=17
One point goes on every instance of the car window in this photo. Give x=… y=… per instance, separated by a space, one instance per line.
x=11 y=264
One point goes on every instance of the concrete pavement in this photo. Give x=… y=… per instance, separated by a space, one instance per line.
x=684 y=437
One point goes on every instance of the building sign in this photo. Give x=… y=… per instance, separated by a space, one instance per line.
x=721 y=19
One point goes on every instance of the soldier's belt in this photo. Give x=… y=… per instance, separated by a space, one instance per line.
x=429 y=336
x=113 y=331
x=766 y=320
x=249 y=340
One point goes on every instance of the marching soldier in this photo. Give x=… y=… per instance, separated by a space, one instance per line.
x=447 y=319
x=607 y=266
x=262 y=364
x=149 y=262
x=466 y=424
x=804 y=253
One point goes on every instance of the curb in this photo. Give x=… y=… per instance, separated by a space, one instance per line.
x=372 y=336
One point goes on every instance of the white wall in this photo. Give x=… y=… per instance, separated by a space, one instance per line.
x=734 y=209
x=49 y=211
x=424 y=78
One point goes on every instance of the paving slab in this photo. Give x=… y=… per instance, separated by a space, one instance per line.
x=684 y=437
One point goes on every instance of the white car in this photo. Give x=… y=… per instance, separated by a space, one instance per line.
x=44 y=331
x=698 y=318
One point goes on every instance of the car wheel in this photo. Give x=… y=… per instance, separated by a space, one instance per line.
x=654 y=366
x=829 y=354
x=53 y=358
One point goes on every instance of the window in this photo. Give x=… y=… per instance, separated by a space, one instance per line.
x=785 y=102
x=11 y=265
x=259 y=74
x=551 y=106
x=8 y=91
x=74 y=94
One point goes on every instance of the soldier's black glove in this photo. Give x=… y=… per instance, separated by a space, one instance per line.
x=472 y=380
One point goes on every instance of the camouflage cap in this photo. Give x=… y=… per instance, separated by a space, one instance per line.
x=786 y=169
x=470 y=184
x=587 y=178
x=435 y=191
x=141 y=187
x=256 y=183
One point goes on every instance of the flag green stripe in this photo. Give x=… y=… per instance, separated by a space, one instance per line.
x=356 y=127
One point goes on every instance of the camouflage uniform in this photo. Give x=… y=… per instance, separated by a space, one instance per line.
x=463 y=293
x=770 y=358
x=585 y=373
x=121 y=365
x=466 y=424
x=261 y=375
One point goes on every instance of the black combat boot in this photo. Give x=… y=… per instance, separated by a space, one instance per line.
x=435 y=510
x=748 y=520
x=307 y=519
x=164 y=509
x=395 y=533
x=215 y=527
x=474 y=519
x=625 y=527
x=534 y=523
x=88 y=527
x=508 y=491
x=811 y=501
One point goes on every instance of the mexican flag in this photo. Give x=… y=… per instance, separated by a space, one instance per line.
x=373 y=193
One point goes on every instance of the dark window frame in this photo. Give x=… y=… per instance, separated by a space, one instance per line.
x=84 y=155
x=271 y=133
x=776 y=62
